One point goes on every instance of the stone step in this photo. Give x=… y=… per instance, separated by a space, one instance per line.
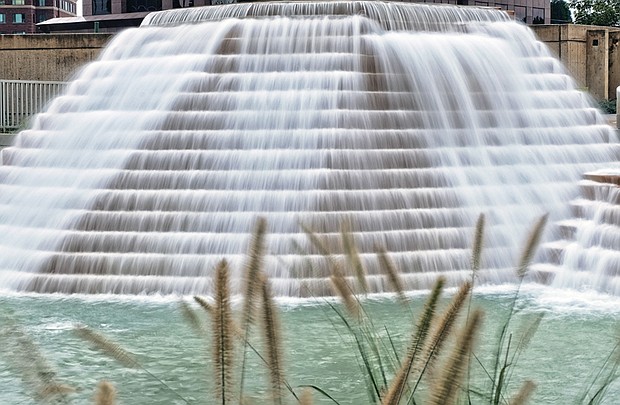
x=281 y=286
x=333 y=138
x=543 y=273
x=6 y=140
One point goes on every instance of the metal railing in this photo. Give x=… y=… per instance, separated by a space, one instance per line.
x=21 y=99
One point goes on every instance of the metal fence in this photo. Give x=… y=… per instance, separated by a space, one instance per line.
x=21 y=99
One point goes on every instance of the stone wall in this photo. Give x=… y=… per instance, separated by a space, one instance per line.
x=590 y=53
x=47 y=57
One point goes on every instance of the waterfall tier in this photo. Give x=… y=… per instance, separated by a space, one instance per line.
x=405 y=121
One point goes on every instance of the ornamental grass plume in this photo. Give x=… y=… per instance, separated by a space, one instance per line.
x=353 y=257
x=106 y=346
x=105 y=394
x=446 y=389
x=306 y=397
x=392 y=274
x=443 y=327
x=398 y=386
x=22 y=355
x=476 y=257
x=204 y=304
x=531 y=245
x=273 y=343
x=222 y=335
x=252 y=272
x=523 y=395
x=342 y=289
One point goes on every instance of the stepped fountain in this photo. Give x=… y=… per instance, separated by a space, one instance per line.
x=405 y=121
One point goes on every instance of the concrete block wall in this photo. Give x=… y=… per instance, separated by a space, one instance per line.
x=47 y=57
x=589 y=53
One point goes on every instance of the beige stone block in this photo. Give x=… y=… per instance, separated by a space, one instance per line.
x=574 y=32
x=614 y=63
x=47 y=57
x=597 y=64
x=573 y=55
x=547 y=33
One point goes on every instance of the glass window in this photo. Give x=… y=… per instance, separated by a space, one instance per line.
x=19 y=18
x=182 y=3
x=102 y=7
x=18 y=2
x=538 y=15
x=2 y=18
x=41 y=17
x=520 y=13
x=41 y=3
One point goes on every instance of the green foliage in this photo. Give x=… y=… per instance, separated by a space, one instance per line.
x=596 y=12
x=607 y=106
x=560 y=12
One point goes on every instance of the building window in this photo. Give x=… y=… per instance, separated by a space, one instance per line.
x=41 y=3
x=2 y=18
x=520 y=13
x=182 y=3
x=19 y=18
x=538 y=15
x=41 y=17
x=102 y=7
x=18 y=2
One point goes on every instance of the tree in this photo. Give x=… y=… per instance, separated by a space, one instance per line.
x=560 y=12
x=597 y=12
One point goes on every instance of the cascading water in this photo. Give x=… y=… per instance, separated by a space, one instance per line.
x=591 y=260
x=404 y=120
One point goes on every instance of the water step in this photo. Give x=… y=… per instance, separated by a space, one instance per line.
x=293 y=265
x=318 y=178
x=281 y=286
x=595 y=191
x=6 y=140
x=335 y=159
x=569 y=227
x=274 y=200
x=335 y=138
x=604 y=178
x=543 y=273
x=554 y=250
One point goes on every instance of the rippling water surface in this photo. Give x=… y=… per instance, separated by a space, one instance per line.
x=574 y=338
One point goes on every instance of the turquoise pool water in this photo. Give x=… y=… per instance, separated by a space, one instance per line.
x=574 y=338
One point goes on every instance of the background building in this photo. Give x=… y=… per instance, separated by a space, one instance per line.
x=114 y=15
x=21 y=16
x=528 y=11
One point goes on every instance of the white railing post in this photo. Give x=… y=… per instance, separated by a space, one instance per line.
x=618 y=107
x=21 y=99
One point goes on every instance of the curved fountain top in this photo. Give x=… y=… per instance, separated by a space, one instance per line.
x=390 y=15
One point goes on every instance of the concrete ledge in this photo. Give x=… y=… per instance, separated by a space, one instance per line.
x=604 y=177
x=6 y=140
x=47 y=57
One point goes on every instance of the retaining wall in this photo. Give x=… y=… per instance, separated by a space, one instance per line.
x=47 y=57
